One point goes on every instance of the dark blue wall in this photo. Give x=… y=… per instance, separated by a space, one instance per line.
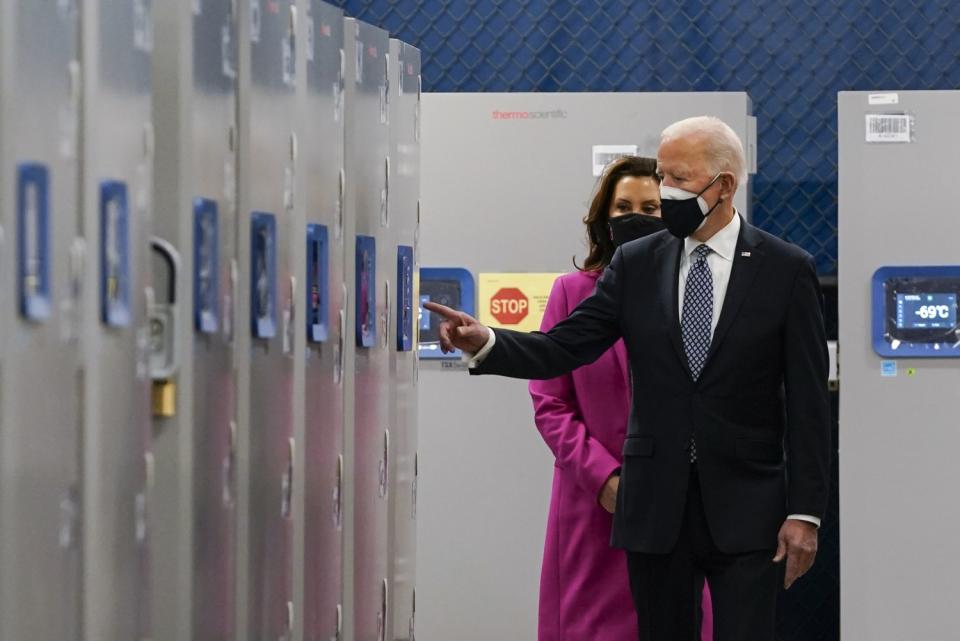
x=791 y=56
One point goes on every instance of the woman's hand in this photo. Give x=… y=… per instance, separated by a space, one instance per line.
x=608 y=494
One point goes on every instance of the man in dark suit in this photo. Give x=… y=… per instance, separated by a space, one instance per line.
x=725 y=466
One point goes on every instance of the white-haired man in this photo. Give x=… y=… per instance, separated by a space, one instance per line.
x=725 y=466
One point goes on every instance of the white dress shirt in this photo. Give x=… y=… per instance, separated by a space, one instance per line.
x=720 y=260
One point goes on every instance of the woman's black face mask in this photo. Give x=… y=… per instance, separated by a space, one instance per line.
x=632 y=226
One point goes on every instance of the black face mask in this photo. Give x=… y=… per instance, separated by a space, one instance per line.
x=683 y=211
x=632 y=226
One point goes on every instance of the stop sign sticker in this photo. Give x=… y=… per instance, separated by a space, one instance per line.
x=509 y=306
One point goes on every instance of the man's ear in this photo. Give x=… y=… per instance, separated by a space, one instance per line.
x=727 y=185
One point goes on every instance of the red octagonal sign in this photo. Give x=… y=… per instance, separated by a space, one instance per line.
x=509 y=306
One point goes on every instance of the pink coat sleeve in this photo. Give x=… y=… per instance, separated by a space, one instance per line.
x=558 y=417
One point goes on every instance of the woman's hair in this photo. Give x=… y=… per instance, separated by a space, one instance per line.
x=601 y=248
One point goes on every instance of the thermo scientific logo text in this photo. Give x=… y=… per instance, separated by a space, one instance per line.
x=529 y=115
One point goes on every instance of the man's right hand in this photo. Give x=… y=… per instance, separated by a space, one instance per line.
x=458 y=330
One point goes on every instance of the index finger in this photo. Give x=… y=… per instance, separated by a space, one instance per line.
x=447 y=312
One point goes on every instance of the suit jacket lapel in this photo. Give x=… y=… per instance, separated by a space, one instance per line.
x=747 y=261
x=668 y=263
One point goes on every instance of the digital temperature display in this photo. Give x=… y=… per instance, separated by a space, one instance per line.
x=928 y=310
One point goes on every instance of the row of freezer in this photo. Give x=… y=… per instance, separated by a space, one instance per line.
x=208 y=251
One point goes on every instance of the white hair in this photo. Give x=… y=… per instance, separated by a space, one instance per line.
x=724 y=150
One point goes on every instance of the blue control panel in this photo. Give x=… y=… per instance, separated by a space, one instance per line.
x=263 y=275
x=915 y=312
x=206 y=265
x=453 y=287
x=33 y=240
x=114 y=254
x=318 y=283
x=366 y=294
x=404 y=298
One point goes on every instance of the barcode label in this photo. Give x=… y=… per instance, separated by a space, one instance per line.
x=888 y=128
x=603 y=155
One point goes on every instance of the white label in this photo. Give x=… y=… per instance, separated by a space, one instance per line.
x=888 y=128
x=603 y=155
x=883 y=99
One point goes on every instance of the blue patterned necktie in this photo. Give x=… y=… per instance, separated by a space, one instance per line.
x=697 y=318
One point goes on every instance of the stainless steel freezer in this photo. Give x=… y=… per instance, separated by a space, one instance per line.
x=267 y=317
x=194 y=494
x=41 y=381
x=370 y=262
x=404 y=194
x=899 y=342
x=117 y=172
x=320 y=333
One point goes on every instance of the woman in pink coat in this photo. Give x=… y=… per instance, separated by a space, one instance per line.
x=584 y=589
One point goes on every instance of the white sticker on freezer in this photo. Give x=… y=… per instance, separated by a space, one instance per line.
x=888 y=128
x=884 y=99
x=603 y=155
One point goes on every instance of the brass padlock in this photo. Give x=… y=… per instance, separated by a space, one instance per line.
x=164 y=399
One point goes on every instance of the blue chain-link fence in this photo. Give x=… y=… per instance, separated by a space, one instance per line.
x=792 y=56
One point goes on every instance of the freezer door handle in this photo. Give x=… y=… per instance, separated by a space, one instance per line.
x=163 y=313
x=382 y=614
x=413 y=485
x=338 y=495
x=386 y=317
x=341 y=190
x=385 y=465
x=286 y=502
x=385 y=194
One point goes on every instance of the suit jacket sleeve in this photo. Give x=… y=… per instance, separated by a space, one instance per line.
x=558 y=417
x=806 y=365
x=590 y=330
